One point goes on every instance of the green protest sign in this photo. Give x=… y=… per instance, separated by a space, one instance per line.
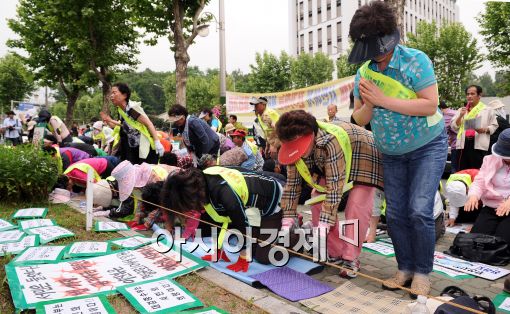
x=132 y=242
x=10 y=236
x=40 y=254
x=31 y=284
x=35 y=223
x=27 y=213
x=110 y=226
x=86 y=305
x=159 y=296
x=87 y=249
x=5 y=225
x=17 y=247
x=51 y=233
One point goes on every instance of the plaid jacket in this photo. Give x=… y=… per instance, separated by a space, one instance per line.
x=327 y=161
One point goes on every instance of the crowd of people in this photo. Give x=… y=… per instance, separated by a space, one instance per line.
x=396 y=142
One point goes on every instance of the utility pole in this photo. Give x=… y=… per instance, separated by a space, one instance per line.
x=223 y=76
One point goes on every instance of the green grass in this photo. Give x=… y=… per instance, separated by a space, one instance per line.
x=69 y=218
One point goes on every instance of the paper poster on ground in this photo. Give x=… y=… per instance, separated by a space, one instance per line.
x=107 y=226
x=5 y=225
x=10 y=236
x=35 y=223
x=32 y=284
x=502 y=303
x=18 y=247
x=26 y=213
x=207 y=310
x=40 y=254
x=87 y=305
x=477 y=269
x=132 y=242
x=87 y=248
x=381 y=248
x=451 y=273
x=51 y=233
x=159 y=296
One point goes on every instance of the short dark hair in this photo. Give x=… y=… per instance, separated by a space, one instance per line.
x=478 y=89
x=374 y=19
x=10 y=112
x=233 y=116
x=51 y=138
x=124 y=89
x=295 y=123
x=178 y=110
x=151 y=193
x=442 y=104
x=168 y=158
x=207 y=110
x=184 y=190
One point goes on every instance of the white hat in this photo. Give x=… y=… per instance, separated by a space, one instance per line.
x=202 y=115
x=98 y=125
x=102 y=194
x=496 y=104
x=456 y=193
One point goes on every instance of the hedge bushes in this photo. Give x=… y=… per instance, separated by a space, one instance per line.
x=26 y=173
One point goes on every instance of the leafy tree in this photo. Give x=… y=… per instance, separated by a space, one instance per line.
x=178 y=21
x=399 y=7
x=49 y=57
x=101 y=34
x=487 y=83
x=495 y=29
x=240 y=81
x=149 y=86
x=502 y=82
x=15 y=80
x=308 y=69
x=270 y=73
x=454 y=54
x=344 y=68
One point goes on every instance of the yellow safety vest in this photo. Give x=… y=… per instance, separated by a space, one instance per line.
x=60 y=163
x=116 y=136
x=100 y=136
x=160 y=172
x=138 y=126
x=220 y=125
x=395 y=89
x=345 y=144
x=84 y=168
x=254 y=147
x=471 y=115
x=462 y=177
x=50 y=127
x=237 y=183
x=274 y=118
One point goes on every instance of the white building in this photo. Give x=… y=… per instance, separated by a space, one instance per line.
x=323 y=25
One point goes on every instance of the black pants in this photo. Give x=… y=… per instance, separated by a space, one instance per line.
x=14 y=140
x=467 y=217
x=488 y=223
x=469 y=157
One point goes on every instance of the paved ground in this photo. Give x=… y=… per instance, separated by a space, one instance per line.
x=371 y=264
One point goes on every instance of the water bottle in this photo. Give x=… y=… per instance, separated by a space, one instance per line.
x=421 y=306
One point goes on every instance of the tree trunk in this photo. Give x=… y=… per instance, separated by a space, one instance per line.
x=106 y=97
x=399 y=7
x=72 y=97
x=181 y=75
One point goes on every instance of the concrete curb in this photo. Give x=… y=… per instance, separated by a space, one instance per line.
x=259 y=298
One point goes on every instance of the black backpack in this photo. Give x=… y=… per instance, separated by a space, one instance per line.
x=480 y=248
x=479 y=303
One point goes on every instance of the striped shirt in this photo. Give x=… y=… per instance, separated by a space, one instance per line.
x=327 y=161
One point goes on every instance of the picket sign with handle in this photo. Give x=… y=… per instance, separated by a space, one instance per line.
x=90 y=198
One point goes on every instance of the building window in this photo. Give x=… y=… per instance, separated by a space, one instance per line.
x=319 y=38
x=328 y=9
x=310 y=41
x=328 y=34
x=319 y=11
x=302 y=42
x=359 y=3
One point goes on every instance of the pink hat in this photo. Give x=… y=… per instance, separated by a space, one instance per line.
x=131 y=176
x=143 y=173
x=125 y=175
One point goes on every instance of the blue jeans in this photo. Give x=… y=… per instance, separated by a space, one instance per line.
x=410 y=184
